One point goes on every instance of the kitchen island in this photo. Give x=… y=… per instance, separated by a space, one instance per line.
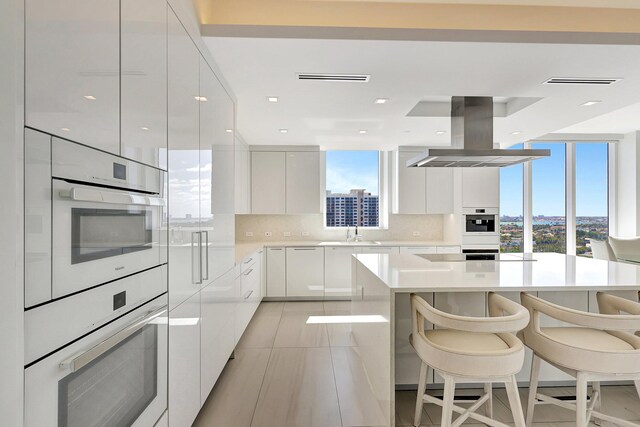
x=380 y=309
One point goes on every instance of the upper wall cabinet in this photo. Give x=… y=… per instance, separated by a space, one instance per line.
x=421 y=190
x=268 y=188
x=481 y=187
x=243 y=177
x=72 y=70
x=303 y=182
x=144 y=81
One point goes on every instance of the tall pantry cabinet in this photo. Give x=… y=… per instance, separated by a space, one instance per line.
x=201 y=225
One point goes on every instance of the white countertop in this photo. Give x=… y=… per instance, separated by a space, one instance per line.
x=548 y=271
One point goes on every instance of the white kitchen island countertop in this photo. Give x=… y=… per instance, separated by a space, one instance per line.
x=528 y=272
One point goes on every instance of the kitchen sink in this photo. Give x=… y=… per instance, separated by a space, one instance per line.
x=360 y=243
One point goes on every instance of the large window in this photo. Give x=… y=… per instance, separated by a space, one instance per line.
x=511 y=207
x=548 y=198
x=352 y=191
x=592 y=201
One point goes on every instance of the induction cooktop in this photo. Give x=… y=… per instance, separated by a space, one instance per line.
x=478 y=257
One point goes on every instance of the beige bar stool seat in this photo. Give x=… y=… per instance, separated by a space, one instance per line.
x=598 y=348
x=469 y=350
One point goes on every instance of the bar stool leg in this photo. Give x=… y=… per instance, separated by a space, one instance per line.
x=637 y=383
x=447 y=405
x=422 y=383
x=533 y=388
x=488 y=408
x=581 y=400
x=514 y=401
x=598 y=404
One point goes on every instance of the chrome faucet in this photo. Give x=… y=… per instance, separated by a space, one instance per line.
x=358 y=237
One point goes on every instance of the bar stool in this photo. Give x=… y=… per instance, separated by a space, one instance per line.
x=597 y=349
x=470 y=349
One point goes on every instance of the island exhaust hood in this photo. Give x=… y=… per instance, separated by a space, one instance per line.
x=472 y=140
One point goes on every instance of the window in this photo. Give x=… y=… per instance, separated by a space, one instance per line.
x=352 y=190
x=548 y=198
x=592 y=199
x=511 y=208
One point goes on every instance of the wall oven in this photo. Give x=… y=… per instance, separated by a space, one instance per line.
x=113 y=376
x=480 y=221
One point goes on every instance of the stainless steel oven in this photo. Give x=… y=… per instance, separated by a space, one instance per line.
x=113 y=376
x=107 y=217
x=480 y=221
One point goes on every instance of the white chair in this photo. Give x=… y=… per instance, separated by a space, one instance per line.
x=597 y=349
x=469 y=350
x=602 y=250
x=626 y=249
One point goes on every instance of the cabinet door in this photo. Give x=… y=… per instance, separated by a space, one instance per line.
x=305 y=272
x=184 y=362
x=448 y=250
x=216 y=175
x=439 y=190
x=72 y=73
x=480 y=187
x=303 y=182
x=418 y=250
x=276 y=272
x=143 y=81
x=184 y=165
x=243 y=178
x=218 y=308
x=268 y=182
x=337 y=271
x=381 y=250
x=410 y=186
x=249 y=298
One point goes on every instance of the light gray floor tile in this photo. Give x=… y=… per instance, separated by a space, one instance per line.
x=298 y=390
x=308 y=307
x=359 y=405
x=405 y=407
x=500 y=411
x=294 y=331
x=270 y=307
x=233 y=399
x=262 y=329
x=337 y=307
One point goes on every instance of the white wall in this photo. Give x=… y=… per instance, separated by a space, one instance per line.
x=627 y=197
x=11 y=294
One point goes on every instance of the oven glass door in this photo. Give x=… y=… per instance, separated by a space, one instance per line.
x=116 y=388
x=480 y=223
x=103 y=233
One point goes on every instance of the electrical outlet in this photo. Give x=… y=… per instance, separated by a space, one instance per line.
x=305 y=233
x=416 y=234
x=248 y=234
x=268 y=234
x=287 y=234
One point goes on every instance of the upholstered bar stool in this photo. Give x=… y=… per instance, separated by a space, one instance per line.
x=598 y=348
x=469 y=350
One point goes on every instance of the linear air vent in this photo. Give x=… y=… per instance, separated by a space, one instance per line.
x=363 y=78
x=580 y=81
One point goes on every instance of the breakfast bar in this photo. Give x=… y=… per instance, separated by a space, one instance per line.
x=458 y=284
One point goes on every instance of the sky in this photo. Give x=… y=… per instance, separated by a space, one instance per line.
x=348 y=170
x=549 y=182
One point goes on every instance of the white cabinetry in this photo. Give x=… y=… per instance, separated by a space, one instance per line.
x=305 y=272
x=418 y=250
x=184 y=362
x=250 y=296
x=337 y=271
x=380 y=250
x=143 y=81
x=303 y=182
x=72 y=72
x=268 y=182
x=448 y=249
x=480 y=187
x=276 y=276
x=243 y=177
x=421 y=190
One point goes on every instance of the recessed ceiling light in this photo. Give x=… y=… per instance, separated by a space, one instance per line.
x=406 y=131
x=363 y=131
x=517 y=132
x=381 y=100
x=590 y=103
x=201 y=98
x=228 y=130
x=90 y=97
x=272 y=98
x=65 y=129
x=144 y=128
x=441 y=132
x=284 y=130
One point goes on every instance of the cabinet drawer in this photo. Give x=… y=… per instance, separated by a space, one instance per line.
x=250 y=284
x=381 y=250
x=248 y=262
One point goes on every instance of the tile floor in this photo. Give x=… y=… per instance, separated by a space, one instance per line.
x=289 y=373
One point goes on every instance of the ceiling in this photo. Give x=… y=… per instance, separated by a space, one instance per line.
x=332 y=114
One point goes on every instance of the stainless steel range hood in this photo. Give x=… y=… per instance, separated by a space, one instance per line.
x=472 y=140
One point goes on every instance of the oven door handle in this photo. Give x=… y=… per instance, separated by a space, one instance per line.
x=78 y=361
x=111 y=197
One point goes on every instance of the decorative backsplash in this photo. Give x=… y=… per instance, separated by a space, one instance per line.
x=311 y=227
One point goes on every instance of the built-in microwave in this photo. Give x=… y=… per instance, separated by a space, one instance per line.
x=105 y=215
x=480 y=221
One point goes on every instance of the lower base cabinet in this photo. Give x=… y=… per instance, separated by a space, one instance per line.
x=249 y=284
x=305 y=272
x=276 y=274
x=337 y=271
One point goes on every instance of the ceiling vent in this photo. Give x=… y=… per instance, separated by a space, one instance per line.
x=363 y=78
x=580 y=81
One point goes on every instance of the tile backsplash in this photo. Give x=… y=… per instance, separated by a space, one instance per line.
x=311 y=227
